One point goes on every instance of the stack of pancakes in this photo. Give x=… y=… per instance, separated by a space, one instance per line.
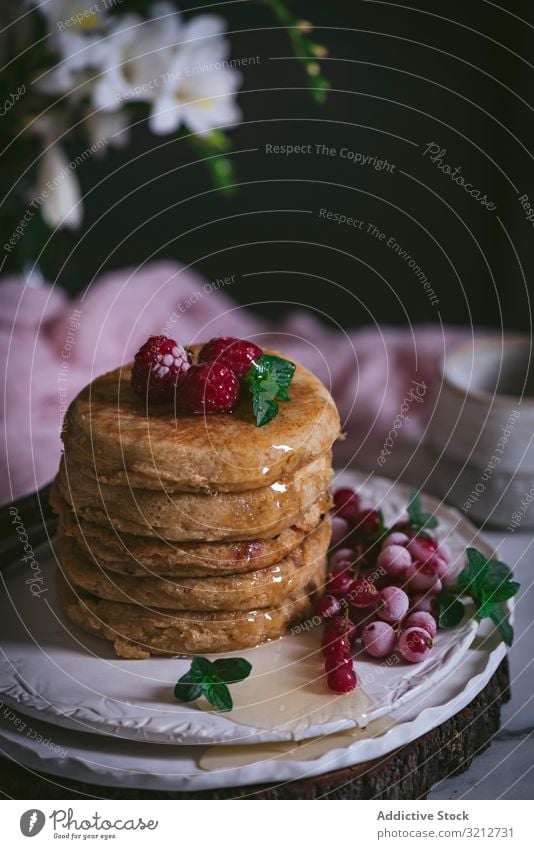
x=192 y=533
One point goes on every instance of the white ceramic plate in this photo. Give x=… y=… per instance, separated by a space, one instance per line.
x=52 y=671
x=64 y=753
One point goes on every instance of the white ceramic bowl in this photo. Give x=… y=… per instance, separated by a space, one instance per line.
x=482 y=430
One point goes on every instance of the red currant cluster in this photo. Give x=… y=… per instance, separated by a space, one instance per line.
x=381 y=589
x=162 y=372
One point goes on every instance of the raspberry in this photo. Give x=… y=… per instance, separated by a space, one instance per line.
x=158 y=364
x=208 y=388
x=237 y=354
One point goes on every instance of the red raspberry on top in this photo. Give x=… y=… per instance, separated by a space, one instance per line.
x=208 y=388
x=237 y=354
x=158 y=364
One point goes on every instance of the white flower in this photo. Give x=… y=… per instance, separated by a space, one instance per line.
x=133 y=59
x=199 y=87
x=110 y=127
x=181 y=69
x=58 y=186
x=75 y=72
x=72 y=15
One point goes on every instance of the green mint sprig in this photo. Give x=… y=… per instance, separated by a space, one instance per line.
x=210 y=679
x=450 y=609
x=268 y=380
x=420 y=521
x=488 y=582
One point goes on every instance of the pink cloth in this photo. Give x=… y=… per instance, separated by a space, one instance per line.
x=52 y=347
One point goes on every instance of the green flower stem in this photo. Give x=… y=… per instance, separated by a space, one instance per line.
x=304 y=48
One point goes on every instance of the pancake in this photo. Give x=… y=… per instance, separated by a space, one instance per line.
x=108 y=430
x=258 y=513
x=262 y=588
x=138 y=633
x=143 y=555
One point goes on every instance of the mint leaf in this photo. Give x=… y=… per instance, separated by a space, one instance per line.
x=484 y=610
x=419 y=519
x=276 y=368
x=414 y=505
x=200 y=668
x=497 y=573
x=502 y=593
x=210 y=680
x=264 y=408
x=232 y=669
x=451 y=611
x=187 y=690
x=488 y=583
x=218 y=694
x=473 y=577
x=499 y=617
x=268 y=380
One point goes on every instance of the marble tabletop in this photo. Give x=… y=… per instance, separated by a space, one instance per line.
x=506 y=769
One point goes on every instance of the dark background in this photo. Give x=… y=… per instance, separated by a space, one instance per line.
x=446 y=73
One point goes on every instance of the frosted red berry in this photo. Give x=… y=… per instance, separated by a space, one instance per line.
x=421 y=577
x=208 y=388
x=362 y=593
x=238 y=354
x=395 y=538
x=393 y=604
x=327 y=607
x=421 y=620
x=415 y=644
x=340 y=530
x=394 y=560
x=368 y=524
x=346 y=503
x=158 y=365
x=425 y=603
x=440 y=566
x=422 y=548
x=379 y=639
x=342 y=556
x=339 y=581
